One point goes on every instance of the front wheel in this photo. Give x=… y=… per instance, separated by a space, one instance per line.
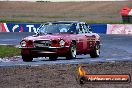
x=96 y=51
x=27 y=58
x=72 y=52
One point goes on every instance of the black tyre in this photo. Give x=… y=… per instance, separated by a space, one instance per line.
x=27 y=58
x=53 y=58
x=96 y=51
x=72 y=52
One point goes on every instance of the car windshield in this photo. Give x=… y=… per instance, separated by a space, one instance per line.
x=52 y=28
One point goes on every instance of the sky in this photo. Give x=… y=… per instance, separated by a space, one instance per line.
x=63 y=0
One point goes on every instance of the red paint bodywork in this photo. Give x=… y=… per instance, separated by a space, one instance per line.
x=85 y=43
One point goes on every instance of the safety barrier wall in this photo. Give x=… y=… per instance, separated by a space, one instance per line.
x=97 y=28
x=119 y=29
x=19 y=27
x=30 y=27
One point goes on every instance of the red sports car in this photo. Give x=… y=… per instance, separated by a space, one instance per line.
x=61 y=39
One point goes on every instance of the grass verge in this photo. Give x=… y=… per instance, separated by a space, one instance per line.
x=8 y=51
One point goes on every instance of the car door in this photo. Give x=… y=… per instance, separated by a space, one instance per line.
x=81 y=39
x=88 y=35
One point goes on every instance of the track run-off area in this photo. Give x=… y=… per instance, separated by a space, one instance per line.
x=113 y=48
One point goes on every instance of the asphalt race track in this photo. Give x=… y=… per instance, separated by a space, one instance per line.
x=113 y=48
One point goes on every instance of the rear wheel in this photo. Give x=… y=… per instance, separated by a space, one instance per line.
x=96 y=51
x=27 y=58
x=53 y=57
x=72 y=53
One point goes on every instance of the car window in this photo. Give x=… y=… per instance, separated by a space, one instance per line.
x=86 y=28
x=72 y=29
x=89 y=29
x=57 y=28
x=63 y=30
x=81 y=29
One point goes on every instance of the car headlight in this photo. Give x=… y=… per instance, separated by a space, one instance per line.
x=23 y=43
x=62 y=42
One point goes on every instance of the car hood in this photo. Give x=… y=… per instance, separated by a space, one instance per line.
x=49 y=37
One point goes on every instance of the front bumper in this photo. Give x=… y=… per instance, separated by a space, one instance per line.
x=44 y=51
x=44 y=47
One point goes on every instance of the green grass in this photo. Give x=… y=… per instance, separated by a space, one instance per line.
x=8 y=51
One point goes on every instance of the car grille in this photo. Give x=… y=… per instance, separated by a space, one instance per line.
x=42 y=43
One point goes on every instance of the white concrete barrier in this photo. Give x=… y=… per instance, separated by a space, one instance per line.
x=119 y=29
